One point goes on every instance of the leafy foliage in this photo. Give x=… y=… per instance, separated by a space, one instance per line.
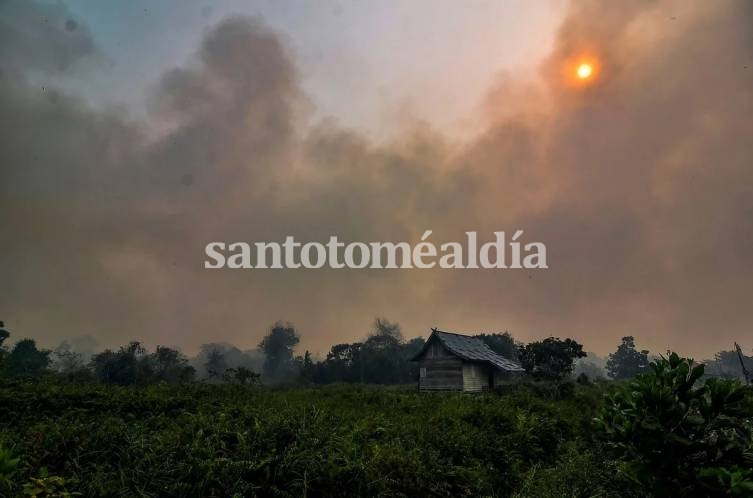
x=384 y=328
x=224 y=440
x=277 y=347
x=48 y=486
x=677 y=436
x=627 y=362
x=170 y=365
x=26 y=360
x=146 y=430
x=381 y=359
x=503 y=344
x=133 y=364
x=8 y=465
x=215 y=365
x=551 y=358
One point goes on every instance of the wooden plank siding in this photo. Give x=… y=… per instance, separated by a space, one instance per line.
x=445 y=374
x=440 y=370
x=475 y=377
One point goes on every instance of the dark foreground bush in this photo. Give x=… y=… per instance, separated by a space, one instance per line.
x=676 y=435
x=199 y=440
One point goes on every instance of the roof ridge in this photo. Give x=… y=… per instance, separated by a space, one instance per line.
x=456 y=333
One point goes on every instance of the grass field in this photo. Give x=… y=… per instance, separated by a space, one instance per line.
x=225 y=440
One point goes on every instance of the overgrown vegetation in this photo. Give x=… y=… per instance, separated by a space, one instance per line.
x=676 y=436
x=655 y=437
x=136 y=423
x=220 y=440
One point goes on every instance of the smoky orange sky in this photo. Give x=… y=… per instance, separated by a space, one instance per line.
x=639 y=181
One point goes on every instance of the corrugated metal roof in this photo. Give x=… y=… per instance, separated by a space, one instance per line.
x=474 y=349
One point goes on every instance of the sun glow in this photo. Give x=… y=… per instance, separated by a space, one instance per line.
x=584 y=71
x=581 y=71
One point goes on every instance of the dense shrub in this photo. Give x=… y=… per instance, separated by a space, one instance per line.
x=676 y=435
x=662 y=435
x=220 y=440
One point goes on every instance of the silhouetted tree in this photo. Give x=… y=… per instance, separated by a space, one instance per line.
x=26 y=360
x=551 y=358
x=627 y=362
x=129 y=365
x=383 y=358
x=380 y=360
x=502 y=344
x=277 y=347
x=346 y=354
x=215 y=364
x=306 y=367
x=384 y=328
x=219 y=356
x=413 y=347
x=342 y=364
x=170 y=365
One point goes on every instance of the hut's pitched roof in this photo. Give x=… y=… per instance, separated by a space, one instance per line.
x=471 y=349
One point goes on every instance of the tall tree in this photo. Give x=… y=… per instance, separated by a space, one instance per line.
x=216 y=365
x=627 y=362
x=383 y=358
x=551 y=358
x=128 y=365
x=380 y=361
x=502 y=344
x=170 y=365
x=384 y=328
x=306 y=367
x=278 y=346
x=341 y=365
x=26 y=360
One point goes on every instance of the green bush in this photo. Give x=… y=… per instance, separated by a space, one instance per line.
x=675 y=435
x=8 y=465
x=221 y=440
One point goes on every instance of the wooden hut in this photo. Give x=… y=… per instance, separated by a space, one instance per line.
x=455 y=362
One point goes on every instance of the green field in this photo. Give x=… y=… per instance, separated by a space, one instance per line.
x=657 y=436
x=220 y=440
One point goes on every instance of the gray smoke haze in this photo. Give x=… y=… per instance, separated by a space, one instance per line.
x=640 y=185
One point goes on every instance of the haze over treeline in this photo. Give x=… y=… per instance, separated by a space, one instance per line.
x=639 y=185
x=384 y=355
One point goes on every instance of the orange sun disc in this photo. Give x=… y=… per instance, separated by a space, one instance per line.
x=584 y=71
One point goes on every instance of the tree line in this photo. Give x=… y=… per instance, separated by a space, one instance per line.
x=383 y=357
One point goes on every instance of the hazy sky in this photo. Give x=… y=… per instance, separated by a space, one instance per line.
x=367 y=64
x=135 y=133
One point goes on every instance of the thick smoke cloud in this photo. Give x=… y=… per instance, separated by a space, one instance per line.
x=640 y=185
